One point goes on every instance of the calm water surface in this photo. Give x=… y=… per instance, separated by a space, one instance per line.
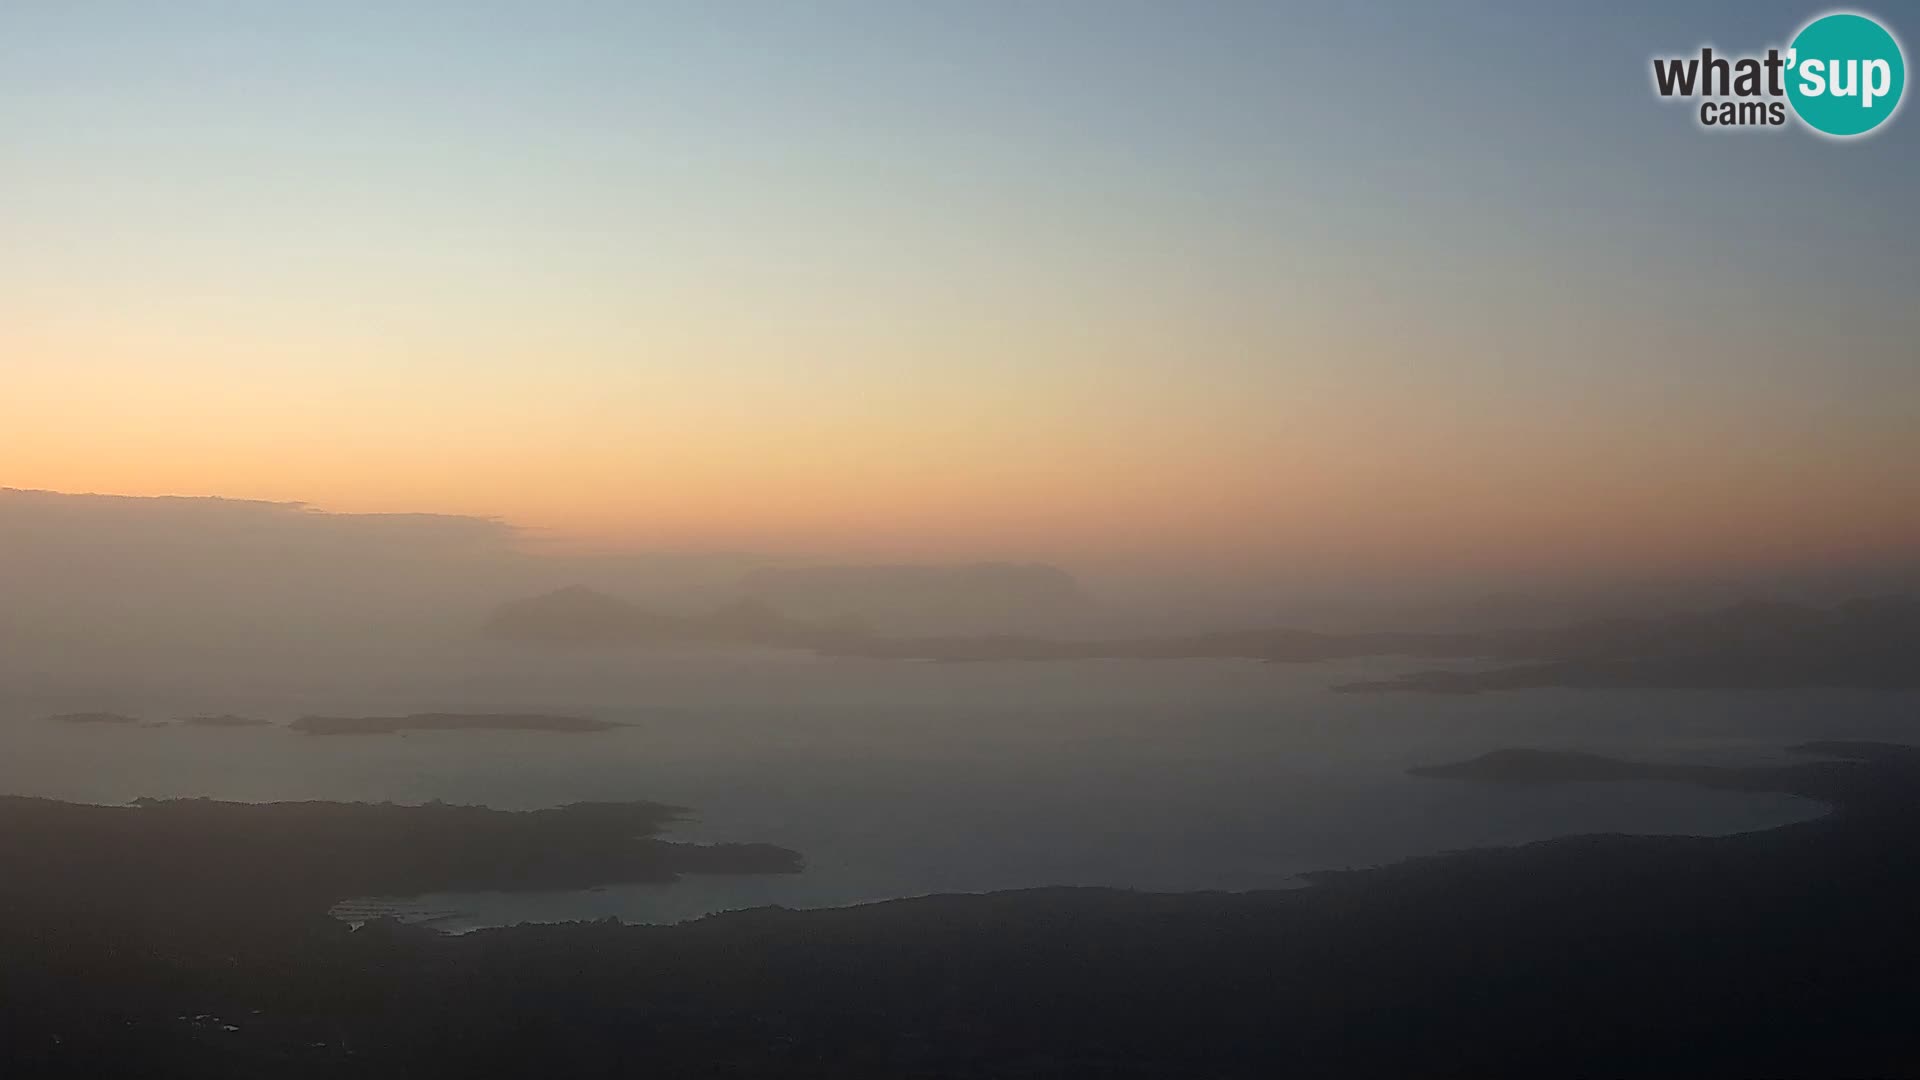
x=899 y=779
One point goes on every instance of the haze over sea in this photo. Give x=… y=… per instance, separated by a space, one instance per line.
x=899 y=779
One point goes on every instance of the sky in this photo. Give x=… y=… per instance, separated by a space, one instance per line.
x=1325 y=289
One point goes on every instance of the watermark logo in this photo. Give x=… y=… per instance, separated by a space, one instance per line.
x=1842 y=75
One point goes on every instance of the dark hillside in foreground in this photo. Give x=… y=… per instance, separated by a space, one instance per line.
x=1785 y=952
x=161 y=870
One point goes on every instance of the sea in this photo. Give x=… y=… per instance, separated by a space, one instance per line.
x=897 y=779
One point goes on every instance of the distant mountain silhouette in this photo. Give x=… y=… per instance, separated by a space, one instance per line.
x=906 y=598
x=577 y=615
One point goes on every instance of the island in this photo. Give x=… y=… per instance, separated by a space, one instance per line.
x=223 y=720
x=94 y=718
x=1846 y=775
x=387 y=725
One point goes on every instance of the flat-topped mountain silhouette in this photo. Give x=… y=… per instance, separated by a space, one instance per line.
x=921 y=598
x=577 y=615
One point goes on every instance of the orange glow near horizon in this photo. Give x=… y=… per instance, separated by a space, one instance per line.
x=1073 y=469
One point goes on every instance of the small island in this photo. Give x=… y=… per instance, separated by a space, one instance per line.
x=94 y=718
x=1851 y=776
x=223 y=720
x=1522 y=765
x=388 y=725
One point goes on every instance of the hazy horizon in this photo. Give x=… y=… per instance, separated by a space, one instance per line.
x=74 y=555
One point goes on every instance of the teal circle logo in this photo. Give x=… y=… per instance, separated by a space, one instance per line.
x=1845 y=74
